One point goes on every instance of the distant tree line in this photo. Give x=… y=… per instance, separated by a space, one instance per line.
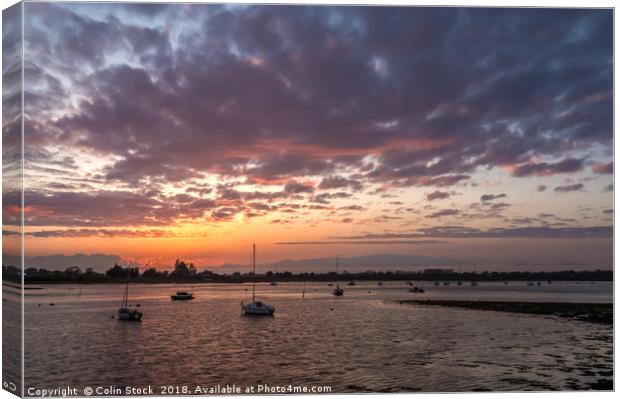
x=187 y=272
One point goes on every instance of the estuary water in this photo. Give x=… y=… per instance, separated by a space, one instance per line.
x=362 y=342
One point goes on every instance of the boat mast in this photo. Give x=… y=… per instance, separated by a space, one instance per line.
x=337 y=270
x=253 y=271
x=125 y=296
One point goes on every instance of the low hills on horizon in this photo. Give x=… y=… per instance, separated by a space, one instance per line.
x=375 y=262
x=379 y=262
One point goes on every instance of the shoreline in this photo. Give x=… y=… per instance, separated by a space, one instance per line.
x=262 y=280
x=600 y=313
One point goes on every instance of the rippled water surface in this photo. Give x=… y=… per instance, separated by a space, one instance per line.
x=361 y=342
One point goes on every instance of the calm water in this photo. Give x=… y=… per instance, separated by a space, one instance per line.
x=360 y=342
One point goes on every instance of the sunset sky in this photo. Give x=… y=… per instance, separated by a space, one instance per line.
x=158 y=132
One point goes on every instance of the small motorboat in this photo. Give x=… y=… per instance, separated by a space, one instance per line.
x=273 y=284
x=330 y=284
x=182 y=296
x=459 y=283
x=436 y=282
x=530 y=284
x=380 y=283
x=125 y=312
x=446 y=283
x=351 y=283
x=410 y=283
x=417 y=290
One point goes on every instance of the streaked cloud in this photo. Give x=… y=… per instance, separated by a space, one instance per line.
x=469 y=232
x=569 y=187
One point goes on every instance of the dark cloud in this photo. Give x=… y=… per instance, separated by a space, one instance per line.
x=295 y=187
x=323 y=198
x=283 y=96
x=442 y=213
x=568 y=165
x=352 y=208
x=525 y=220
x=443 y=181
x=104 y=233
x=470 y=232
x=275 y=93
x=224 y=213
x=499 y=205
x=569 y=187
x=437 y=195
x=491 y=197
x=335 y=182
x=106 y=208
x=369 y=242
x=603 y=168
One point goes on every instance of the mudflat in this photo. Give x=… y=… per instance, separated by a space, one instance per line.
x=592 y=312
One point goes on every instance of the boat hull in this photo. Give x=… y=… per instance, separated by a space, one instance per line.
x=252 y=310
x=181 y=298
x=132 y=315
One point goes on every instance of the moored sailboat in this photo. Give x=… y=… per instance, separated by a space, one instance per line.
x=124 y=312
x=337 y=291
x=256 y=308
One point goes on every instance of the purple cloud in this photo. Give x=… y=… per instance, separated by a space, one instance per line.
x=491 y=197
x=442 y=213
x=569 y=187
x=603 y=168
x=568 y=165
x=437 y=195
x=281 y=96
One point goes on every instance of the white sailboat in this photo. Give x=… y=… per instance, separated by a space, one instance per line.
x=256 y=308
x=337 y=291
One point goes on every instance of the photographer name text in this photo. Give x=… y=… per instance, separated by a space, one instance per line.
x=150 y=390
